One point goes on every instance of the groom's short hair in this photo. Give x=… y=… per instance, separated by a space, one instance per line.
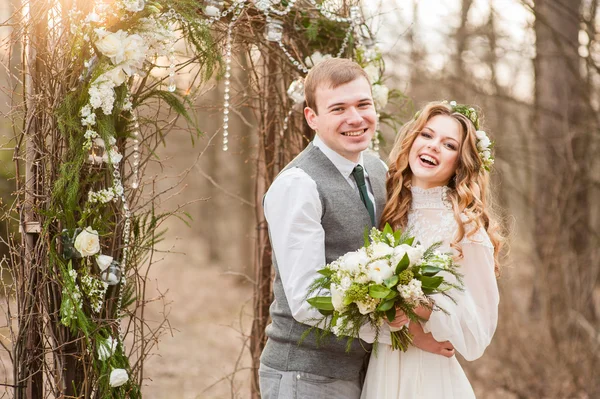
x=332 y=72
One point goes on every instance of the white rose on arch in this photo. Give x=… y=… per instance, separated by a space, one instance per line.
x=380 y=96
x=373 y=73
x=111 y=44
x=87 y=242
x=104 y=261
x=118 y=377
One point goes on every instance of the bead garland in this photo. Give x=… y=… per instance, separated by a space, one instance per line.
x=136 y=150
x=228 y=46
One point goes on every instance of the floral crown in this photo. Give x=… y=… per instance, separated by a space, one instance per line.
x=484 y=144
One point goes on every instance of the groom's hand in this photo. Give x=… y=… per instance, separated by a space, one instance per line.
x=427 y=343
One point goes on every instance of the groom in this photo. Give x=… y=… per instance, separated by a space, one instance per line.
x=317 y=209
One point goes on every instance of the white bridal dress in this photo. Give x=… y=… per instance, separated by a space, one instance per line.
x=469 y=326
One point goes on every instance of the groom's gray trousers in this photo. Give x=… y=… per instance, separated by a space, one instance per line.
x=275 y=384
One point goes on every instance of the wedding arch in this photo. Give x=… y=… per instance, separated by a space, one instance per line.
x=96 y=93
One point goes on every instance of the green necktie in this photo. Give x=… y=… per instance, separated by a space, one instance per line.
x=359 y=177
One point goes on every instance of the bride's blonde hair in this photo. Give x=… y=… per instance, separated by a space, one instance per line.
x=468 y=190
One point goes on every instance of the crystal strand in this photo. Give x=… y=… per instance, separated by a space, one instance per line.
x=172 y=86
x=126 y=230
x=329 y=15
x=136 y=150
x=345 y=42
x=294 y=61
x=286 y=10
x=228 y=77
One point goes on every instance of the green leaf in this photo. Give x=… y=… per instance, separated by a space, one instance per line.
x=366 y=236
x=409 y=241
x=327 y=272
x=378 y=291
x=392 y=295
x=386 y=305
x=431 y=282
x=388 y=230
x=390 y=282
x=321 y=302
x=325 y=312
x=397 y=236
x=430 y=270
x=403 y=264
x=391 y=314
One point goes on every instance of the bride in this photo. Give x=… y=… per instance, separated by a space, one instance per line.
x=438 y=190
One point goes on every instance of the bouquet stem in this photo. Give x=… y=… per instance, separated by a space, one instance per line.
x=401 y=339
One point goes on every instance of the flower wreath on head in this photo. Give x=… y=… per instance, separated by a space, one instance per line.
x=484 y=144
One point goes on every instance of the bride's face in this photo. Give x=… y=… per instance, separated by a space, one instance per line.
x=434 y=155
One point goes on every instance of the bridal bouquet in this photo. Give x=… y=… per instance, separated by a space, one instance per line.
x=368 y=285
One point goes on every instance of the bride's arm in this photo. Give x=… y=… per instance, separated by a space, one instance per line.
x=472 y=320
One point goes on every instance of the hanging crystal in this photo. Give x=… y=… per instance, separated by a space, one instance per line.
x=172 y=86
x=274 y=30
x=213 y=8
x=112 y=274
x=296 y=91
x=263 y=5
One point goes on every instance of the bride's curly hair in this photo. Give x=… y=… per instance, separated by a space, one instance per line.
x=469 y=192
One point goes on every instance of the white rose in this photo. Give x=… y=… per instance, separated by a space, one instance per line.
x=111 y=45
x=118 y=377
x=380 y=270
x=366 y=308
x=104 y=261
x=107 y=348
x=373 y=73
x=380 y=249
x=352 y=261
x=115 y=75
x=113 y=156
x=380 y=96
x=87 y=242
x=483 y=144
x=337 y=298
x=480 y=134
x=134 y=53
x=487 y=154
x=414 y=253
x=92 y=17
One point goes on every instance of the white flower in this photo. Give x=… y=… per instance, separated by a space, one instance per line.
x=87 y=242
x=118 y=189
x=92 y=17
x=107 y=348
x=486 y=154
x=381 y=249
x=104 y=261
x=113 y=156
x=480 y=134
x=373 y=73
x=414 y=253
x=102 y=95
x=134 y=53
x=111 y=44
x=112 y=140
x=366 y=307
x=211 y=11
x=483 y=144
x=133 y=5
x=315 y=58
x=412 y=292
x=86 y=111
x=380 y=96
x=89 y=120
x=337 y=297
x=352 y=261
x=115 y=75
x=90 y=134
x=127 y=105
x=118 y=377
x=380 y=270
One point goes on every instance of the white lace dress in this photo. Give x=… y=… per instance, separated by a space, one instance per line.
x=469 y=326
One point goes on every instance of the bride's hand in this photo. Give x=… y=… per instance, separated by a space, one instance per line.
x=427 y=343
x=399 y=321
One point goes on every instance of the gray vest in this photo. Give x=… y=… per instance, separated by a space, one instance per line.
x=344 y=219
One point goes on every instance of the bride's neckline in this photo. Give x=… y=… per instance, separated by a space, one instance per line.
x=430 y=198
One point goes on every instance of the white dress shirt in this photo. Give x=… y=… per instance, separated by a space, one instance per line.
x=293 y=210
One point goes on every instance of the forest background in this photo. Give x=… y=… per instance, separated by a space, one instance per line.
x=534 y=70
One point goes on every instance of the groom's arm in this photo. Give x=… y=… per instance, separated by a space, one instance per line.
x=293 y=211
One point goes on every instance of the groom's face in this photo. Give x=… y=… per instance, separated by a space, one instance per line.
x=345 y=118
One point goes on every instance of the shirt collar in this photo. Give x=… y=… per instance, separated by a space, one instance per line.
x=344 y=165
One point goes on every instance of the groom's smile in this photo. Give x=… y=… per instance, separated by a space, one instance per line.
x=345 y=118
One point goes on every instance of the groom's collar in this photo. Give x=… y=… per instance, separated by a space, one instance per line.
x=344 y=165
